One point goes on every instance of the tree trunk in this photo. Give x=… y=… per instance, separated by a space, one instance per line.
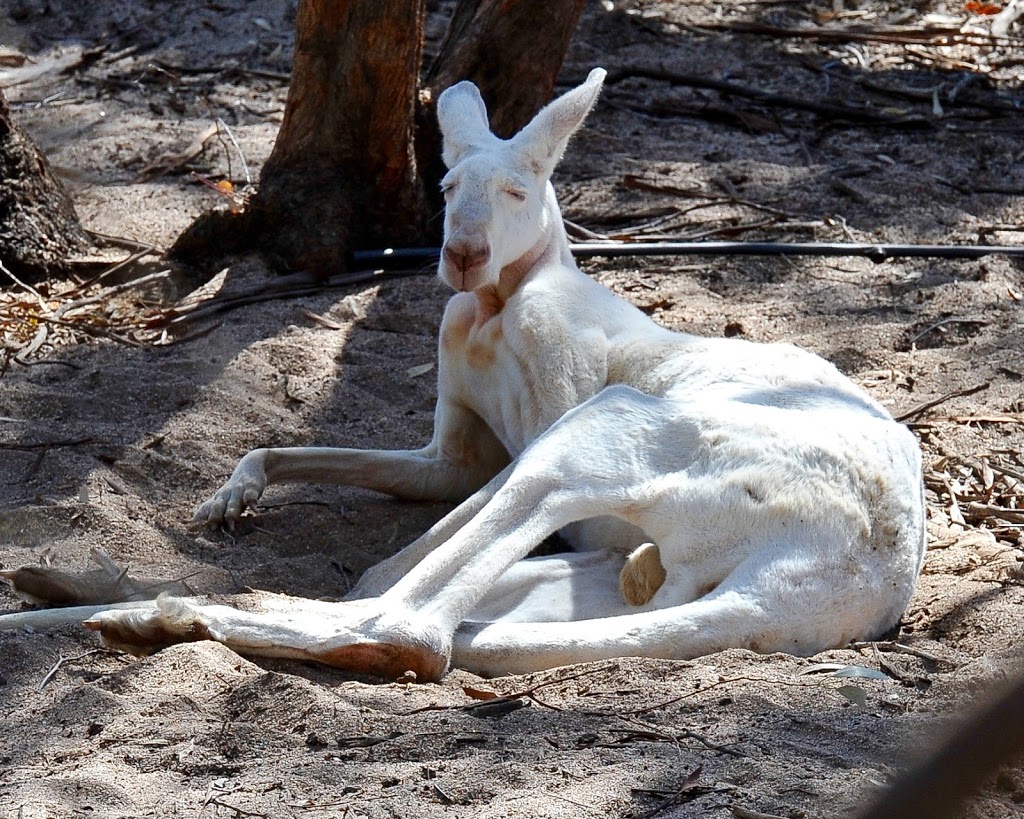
x=357 y=162
x=342 y=172
x=39 y=229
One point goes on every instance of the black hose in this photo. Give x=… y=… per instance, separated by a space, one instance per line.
x=409 y=256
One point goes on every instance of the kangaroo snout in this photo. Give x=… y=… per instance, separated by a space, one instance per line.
x=463 y=259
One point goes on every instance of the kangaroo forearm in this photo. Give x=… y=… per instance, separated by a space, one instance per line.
x=411 y=474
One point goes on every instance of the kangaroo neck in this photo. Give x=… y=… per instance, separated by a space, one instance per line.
x=551 y=247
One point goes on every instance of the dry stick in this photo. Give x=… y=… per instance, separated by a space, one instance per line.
x=899 y=648
x=999 y=469
x=238 y=148
x=766 y=97
x=744 y=813
x=21 y=284
x=61 y=659
x=64 y=309
x=943 y=323
x=640 y=183
x=94 y=331
x=48 y=316
x=529 y=693
x=35 y=344
x=114 y=268
x=927 y=405
x=46 y=444
x=286 y=288
x=926 y=95
x=124 y=241
x=685 y=733
x=892 y=34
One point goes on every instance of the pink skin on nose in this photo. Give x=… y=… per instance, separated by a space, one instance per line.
x=464 y=258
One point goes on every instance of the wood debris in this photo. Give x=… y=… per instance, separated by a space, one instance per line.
x=985 y=493
x=37 y=321
x=43 y=585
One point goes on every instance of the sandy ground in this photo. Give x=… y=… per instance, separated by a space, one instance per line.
x=106 y=443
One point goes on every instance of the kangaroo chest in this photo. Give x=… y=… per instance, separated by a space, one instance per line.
x=519 y=377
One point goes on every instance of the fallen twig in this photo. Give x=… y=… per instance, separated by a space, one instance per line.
x=898 y=648
x=645 y=731
x=927 y=405
x=484 y=697
x=62 y=660
x=828 y=109
x=27 y=287
x=688 y=790
x=943 y=323
x=45 y=444
x=899 y=35
x=745 y=813
x=176 y=161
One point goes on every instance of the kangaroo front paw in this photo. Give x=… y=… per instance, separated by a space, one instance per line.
x=242 y=490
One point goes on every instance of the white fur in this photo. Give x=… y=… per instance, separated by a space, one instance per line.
x=786 y=505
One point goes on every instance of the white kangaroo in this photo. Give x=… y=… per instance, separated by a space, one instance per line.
x=719 y=493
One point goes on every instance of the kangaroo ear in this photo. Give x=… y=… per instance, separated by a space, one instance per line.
x=543 y=141
x=462 y=115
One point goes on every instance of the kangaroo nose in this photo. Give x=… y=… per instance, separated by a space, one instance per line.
x=464 y=256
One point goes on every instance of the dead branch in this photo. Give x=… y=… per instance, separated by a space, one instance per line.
x=898 y=35
x=110 y=583
x=927 y=405
x=825 y=109
x=63 y=660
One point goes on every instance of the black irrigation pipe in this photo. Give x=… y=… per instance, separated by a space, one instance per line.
x=410 y=256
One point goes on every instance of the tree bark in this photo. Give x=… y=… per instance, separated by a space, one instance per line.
x=342 y=169
x=342 y=174
x=39 y=229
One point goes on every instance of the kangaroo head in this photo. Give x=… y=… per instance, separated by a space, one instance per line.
x=498 y=204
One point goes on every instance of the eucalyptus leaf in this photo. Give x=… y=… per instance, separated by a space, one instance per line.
x=860 y=671
x=855 y=694
x=419 y=369
x=821 y=668
x=843 y=670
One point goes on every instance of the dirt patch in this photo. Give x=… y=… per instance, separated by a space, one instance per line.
x=113 y=444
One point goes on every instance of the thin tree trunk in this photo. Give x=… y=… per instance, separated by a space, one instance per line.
x=343 y=167
x=39 y=229
x=342 y=174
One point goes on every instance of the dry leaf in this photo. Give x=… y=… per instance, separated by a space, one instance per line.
x=419 y=369
x=479 y=693
x=855 y=694
x=9 y=58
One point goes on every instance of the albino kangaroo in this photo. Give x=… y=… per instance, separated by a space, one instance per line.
x=719 y=493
